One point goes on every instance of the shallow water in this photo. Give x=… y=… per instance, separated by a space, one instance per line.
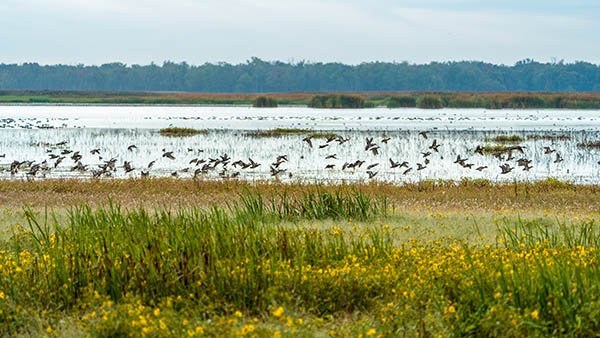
x=31 y=132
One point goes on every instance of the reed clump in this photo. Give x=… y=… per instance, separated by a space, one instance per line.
x=337 y=101
x=264 y=102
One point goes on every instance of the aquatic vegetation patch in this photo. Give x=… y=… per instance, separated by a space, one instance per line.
x=589 y=145
x=505 y=139
x=549 y=137
x=490 y=150
x=277 y=132
x=181 y=132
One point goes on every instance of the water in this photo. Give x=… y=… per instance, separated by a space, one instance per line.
x=31 y=132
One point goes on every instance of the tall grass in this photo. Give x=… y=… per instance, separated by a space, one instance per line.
x=535 y=277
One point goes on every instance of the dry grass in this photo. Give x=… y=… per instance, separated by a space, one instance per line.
x=469 y=196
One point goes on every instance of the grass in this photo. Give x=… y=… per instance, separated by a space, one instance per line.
x=291 y=260
x=465 y=196
x=180 y=132
x=505 y=139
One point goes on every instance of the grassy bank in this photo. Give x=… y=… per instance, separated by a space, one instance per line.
x=488 y=100
x=285 y=260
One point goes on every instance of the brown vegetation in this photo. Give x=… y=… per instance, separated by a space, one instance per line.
x=468 y=195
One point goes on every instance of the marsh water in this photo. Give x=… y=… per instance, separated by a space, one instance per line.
x=30 y=134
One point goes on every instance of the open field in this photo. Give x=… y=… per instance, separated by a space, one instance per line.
x=164 y=257
x=420 y=99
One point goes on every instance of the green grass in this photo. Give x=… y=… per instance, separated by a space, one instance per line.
x=180 y=132
x=260 y=266
x=303 y=261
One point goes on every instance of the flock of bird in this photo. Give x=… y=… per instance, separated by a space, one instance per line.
x=226 y=167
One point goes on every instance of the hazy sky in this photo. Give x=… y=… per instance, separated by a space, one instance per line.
x=350 y=31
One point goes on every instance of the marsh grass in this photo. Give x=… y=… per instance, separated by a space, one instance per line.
x=277 y=132
x=490 y=150
x=549 y=137
x=589 y=145
x=181 y=132
x=505 y=139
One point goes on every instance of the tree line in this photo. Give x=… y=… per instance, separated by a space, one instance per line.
x=259 y=76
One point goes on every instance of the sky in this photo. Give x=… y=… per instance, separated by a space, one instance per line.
x=347 y=31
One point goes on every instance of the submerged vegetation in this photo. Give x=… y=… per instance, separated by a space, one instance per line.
x=315 y=261
x=264 y=102
x=180 y=132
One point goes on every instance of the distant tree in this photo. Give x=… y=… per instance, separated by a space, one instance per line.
x=259 y=76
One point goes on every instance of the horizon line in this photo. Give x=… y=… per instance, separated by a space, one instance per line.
x=294 y=63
